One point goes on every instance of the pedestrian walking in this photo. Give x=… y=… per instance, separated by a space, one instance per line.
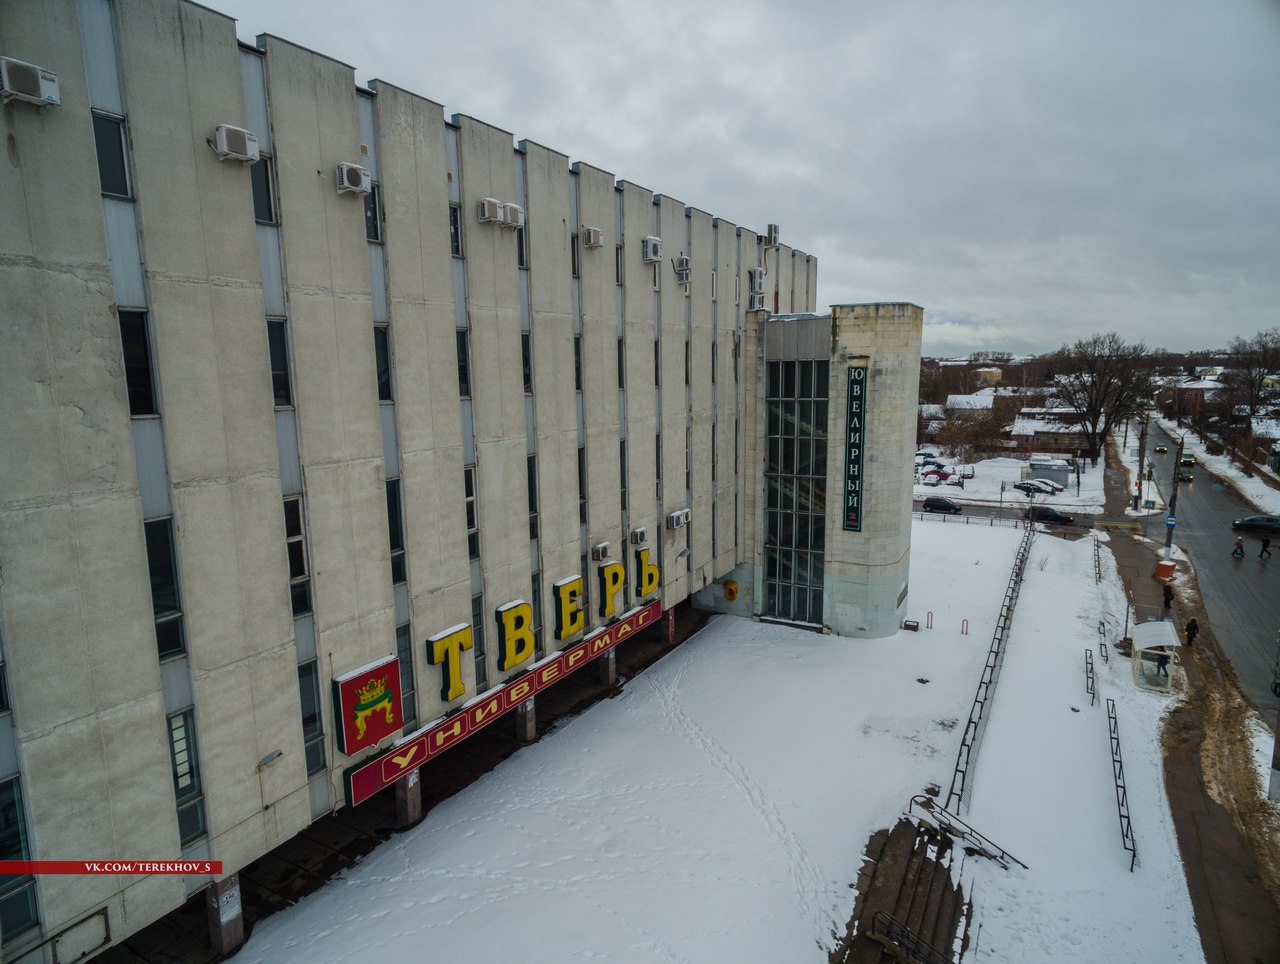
x=1266 y=547
x=1193 y=630
x=1238 y=551
x=1162 y=664
x=1168 y=596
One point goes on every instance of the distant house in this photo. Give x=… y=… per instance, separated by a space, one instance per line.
x=1049 y=430
x=1182 y=397
x=988 y=377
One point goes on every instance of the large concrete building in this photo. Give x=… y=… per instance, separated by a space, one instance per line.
x=323 y=451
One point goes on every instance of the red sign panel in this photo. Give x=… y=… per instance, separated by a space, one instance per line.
x=365 y=779
x=367 y=705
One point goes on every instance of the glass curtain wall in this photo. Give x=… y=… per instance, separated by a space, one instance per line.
x=796 y=490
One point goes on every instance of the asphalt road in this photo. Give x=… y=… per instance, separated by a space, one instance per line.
x=1241 y=596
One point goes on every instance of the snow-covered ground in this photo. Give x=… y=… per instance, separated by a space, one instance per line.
x=718 y=808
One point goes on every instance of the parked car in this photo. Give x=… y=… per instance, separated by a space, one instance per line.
x=1049 y=485
x=931 y=479
x=926 y=454
x=1042 y=513
x=938 y=503
x=1258 y=523
x=1161 y=449
x=1033 y=487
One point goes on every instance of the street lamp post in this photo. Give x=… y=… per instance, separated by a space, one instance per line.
x=1173 y=499
x=1142 y=458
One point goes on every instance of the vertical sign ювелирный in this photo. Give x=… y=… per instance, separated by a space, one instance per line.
x=854 y=433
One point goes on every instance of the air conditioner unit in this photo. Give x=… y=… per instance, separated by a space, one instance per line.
x=639 y=536
x=353 y=179
x=235 y=143
x=651 y=249
x=27 y=82
x=756 y=302
x=600 y=552
x=678 y=520
x=512 y=215
x=756 y=278
x=771 y=238
x=489 y=210
x=593 y=238
x=687 y=515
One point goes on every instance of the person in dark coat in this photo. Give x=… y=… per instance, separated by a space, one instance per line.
x=1193 y=630
x=1162 y=664
x=1266 y=547
x=1168 y=596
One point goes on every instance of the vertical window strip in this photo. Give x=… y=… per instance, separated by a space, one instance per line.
x=382 y=359
x=464 y=364
x=18 y=911
x=395 y=531
x=404 y=649
x=113 y=155
x=455 y=230
x=139 y=374
x=582 y=484
x=473 y=521
x=478 y=642
x=278 y=350
x=531 y=469
x=187 y=789
x=166 y=600
x=312 y=718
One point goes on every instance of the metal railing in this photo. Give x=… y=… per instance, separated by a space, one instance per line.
x=1097 y=560
x=888 y=929
x=976 y=520
x=947 y=822
x=1090 y=683
x=978 y=714
x=1122 y=794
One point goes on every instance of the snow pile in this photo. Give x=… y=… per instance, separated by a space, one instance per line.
x=718 y=809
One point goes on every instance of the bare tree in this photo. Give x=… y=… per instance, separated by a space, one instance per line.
x=1252 y=360
x=1101 y=381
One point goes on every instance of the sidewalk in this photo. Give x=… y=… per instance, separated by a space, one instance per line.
x=1237 y=917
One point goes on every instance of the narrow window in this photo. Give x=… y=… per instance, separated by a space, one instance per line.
x=715 y=360
x=522 y=248
x=264 y=207
x=657 y=276
x=713 y=458
x=582 y=484
x=464 y=365
x=404 y=649
x=657 y=362
x=622 y=470
x=714 y=289
x=278 y=349
x=687 y=373
x=526 y=360
x=618 y=262
x=536 y=602
x=577 y=362
x=531 y=469
x=622 y=363
x=737 y=289
x=373 y=214
x=473 y=524
x=477 y=642
x=17 y=891
x=382 y=356
x=139 y=382
x=186 y=776
x=657 y=460
x=165 y=600
x=395 y=529
x=312 y=719
x=586 y=587
x=296 y=544
x=113 y=166
x=455 y=230
x=575 y=256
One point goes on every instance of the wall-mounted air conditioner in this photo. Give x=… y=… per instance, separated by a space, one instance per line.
x=755 y=277
x=683 y=266
x=235 y=143
x=593 y=237
x=639 y=536
x=600 y=552
x=651 y=249
x=678 y=519
x=756 y=302
x=512 y=215
x=353 y=179
x=29 y=83
x=489 y=210
x=771 y=238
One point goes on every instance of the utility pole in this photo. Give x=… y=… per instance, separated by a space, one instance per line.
x=1142 y=459
x=1273 y=789
x=1173 y=499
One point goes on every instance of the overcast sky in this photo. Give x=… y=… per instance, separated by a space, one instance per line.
x=1029 y=173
